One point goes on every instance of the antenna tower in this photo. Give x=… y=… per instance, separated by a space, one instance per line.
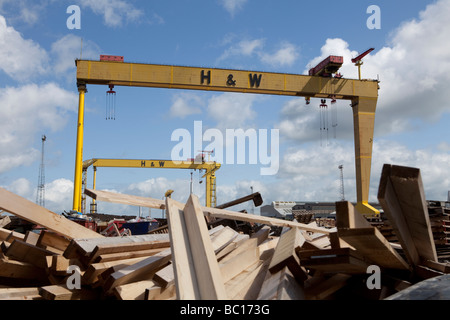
x=40 y=196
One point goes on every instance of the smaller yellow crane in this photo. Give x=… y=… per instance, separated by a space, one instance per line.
x=210 y=168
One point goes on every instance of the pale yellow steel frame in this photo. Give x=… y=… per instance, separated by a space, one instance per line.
x=363 y=95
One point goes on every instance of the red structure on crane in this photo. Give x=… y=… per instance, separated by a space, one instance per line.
x=327 y=67
x=357 y=61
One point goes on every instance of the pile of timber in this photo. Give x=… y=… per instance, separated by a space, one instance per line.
x=193 y=261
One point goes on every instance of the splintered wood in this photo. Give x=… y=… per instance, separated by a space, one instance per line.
x=194 y=261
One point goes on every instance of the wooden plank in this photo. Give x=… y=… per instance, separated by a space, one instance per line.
x=31 y=237
x=326 y=288
x=207 y=211
x=36 y=214
x=348 y=217
x=85 y=247
x=60 y=292
x=19 y=293
x=355 y=230
x=133 y=291
x=209 y=277
x=159 y=293
x=165 y=276
x=4 y=221
x=281 y=286
x=52 y=239
x=12 y=269
x=262 y=234
x=4 y=234
x=220 y=238
x=128 y=255
x=241 y=258
x=94 y=270
x=370 y=243
x=114 y=248
x=13 y=235
x=439 y=266
x=238 y=287
x=142 y=270
x=401 y=194
x=182 y=260
x=342 y=260
x=285 y=254
x=231 y=246
x=26 y=252
x=131 y=200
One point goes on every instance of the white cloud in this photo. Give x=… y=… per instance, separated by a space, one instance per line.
x=185 y=104
x=21 y=187
x=114 y=11
x=286 y=55
x=25 y=114
x=21 y=59
x=233 y=6
x=232 y=110
x=23 y=10
x=414 y=70
x=67 y=49
x=243 y=48
x=311 y=172
x=59 y=195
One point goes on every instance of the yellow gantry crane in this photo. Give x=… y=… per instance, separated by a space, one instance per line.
x=210 y=168
x=363 y=95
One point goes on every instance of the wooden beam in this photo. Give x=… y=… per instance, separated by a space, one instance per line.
x=182 y=260
x=370 y=243
x=342 y=260
x=355 y=230
x=26 y=252
x=134 y=290
x=401 y=194
x=281 y=286
x=60 y=292
x=209 y=278
x=4 y=221
x=19 y=293
x=19 y=270
x=108 y=250
x=239 y=259
x=285 y=254
x=328 y=287
x=95 y=269
x=36 y=214
x=142 y=270
x=207 y=211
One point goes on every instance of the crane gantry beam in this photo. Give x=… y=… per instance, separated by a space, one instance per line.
x=363 y=95
x=210 y=168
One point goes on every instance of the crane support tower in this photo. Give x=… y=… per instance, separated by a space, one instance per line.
x=210 y=168
x=363 y=95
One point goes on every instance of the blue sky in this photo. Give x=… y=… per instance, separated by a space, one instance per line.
x=38 y=93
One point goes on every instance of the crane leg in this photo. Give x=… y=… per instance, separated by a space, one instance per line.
x=363 y=122
x=79 y=152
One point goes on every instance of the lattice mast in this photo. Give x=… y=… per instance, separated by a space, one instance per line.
x=40 y=196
